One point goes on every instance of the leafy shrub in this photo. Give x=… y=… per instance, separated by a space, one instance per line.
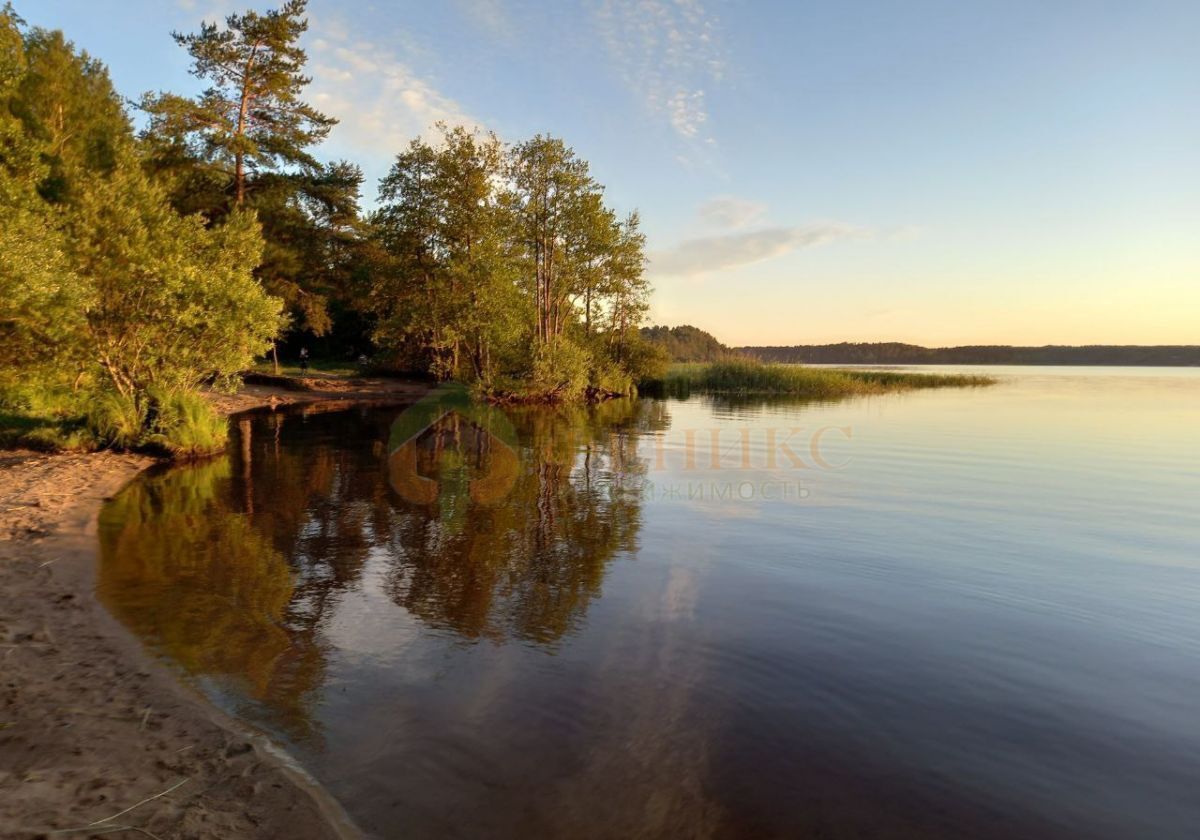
x=647 y=361
x=560 y=370
x=609 y=377
x=180 y=424
x=45 y=418
x=60 y=438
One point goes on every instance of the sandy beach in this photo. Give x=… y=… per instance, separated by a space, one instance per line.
x=96 y=736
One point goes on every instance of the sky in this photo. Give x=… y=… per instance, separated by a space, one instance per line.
x=931 y=171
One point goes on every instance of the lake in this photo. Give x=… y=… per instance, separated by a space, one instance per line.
x=949 y=613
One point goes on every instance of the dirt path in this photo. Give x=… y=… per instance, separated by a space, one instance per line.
x=96 y=737
x=289 y=390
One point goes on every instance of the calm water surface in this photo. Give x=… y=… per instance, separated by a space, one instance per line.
x=942 y=614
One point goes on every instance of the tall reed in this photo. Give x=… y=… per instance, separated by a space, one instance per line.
x=748 y=376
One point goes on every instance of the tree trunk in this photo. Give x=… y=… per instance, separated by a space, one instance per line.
x=245 y=432
x=239 y=155
x=239 y=180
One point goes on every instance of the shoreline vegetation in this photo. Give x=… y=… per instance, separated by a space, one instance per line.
x=752 y=377
x=147 y=268
x=144 y=267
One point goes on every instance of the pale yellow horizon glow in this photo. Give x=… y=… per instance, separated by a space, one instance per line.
x=1114 y=294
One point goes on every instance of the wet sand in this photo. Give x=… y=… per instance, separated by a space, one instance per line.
x=97 y=737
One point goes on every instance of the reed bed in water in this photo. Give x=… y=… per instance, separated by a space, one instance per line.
x=747 y=376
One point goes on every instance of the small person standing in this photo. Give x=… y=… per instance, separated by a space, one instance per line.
x=304 y=360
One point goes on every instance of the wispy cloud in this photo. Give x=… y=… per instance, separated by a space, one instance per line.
x=668 y=52
x=714 y=253
x=209 y=11
x=729 y=211
x=489 y=15
x=381 y=101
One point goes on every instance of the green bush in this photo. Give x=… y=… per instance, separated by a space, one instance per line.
x=560 y=370
x=647 y=361
x=43 y=436
x=609 y=377
x=180 y=424
x=45 y=418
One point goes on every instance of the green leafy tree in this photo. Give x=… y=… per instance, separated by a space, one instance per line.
x=450 y=282
x=314 y=240
x=627 y=286
x=407 y=292
x=67 y=103
x=175 y=302
x=551 y=198
x=246 y=141
x=507 y=265
x=103 y=284
x=480 y=262
x=589 y=247
x=41 y=300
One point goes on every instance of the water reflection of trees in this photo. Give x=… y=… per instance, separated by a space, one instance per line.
x=236 y=568
x=202 y=585
x=528 y=564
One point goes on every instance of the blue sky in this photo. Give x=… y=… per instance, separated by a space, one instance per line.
x=937 y=172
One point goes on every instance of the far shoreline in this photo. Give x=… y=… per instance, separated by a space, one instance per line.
x=1052 y=355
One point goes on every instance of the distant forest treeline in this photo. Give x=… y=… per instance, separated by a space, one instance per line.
x=687 y=343
x=912 y=354
x=692 y=344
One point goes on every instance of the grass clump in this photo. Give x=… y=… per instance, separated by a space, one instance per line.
x=42 y=435
x=749 y=376
x=178 y=424
x=184 y=425
x=114 y=421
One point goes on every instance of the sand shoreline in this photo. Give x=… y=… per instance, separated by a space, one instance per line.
x=90 y=723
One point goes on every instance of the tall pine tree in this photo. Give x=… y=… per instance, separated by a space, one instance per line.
x=251 y=119
x=247 y=141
